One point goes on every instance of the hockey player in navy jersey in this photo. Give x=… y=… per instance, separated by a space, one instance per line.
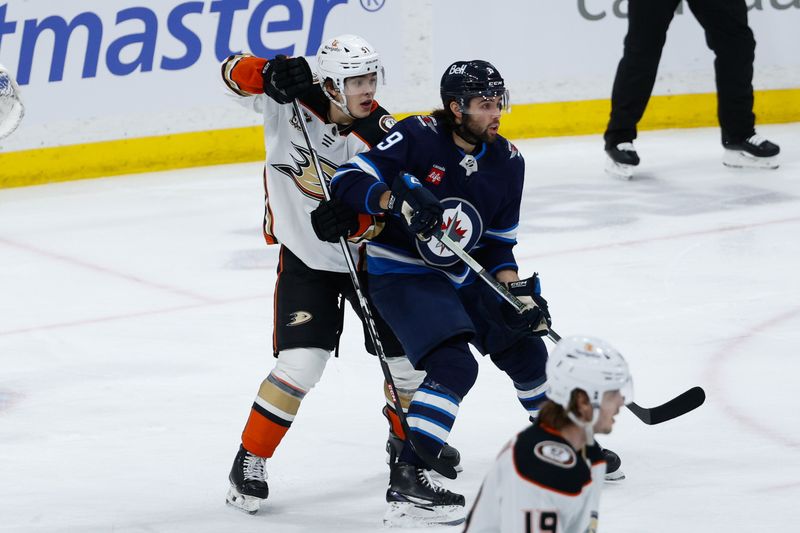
x=550 y=476
x=450 y=171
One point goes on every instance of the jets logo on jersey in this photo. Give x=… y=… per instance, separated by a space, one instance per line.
x=428 y=122
x=555 y=453
x=462 y=223
x=435 y=175
x=303 y=173
x=513 y=149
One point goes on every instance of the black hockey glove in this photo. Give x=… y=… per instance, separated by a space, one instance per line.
x=536 y=316
x=286 y=78
x=416 y=205
x=333 y=219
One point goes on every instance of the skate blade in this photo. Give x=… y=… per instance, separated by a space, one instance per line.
x=618 y=170
x=406 y=514
x=741 y=159
x=615 y=476
x=243 y=502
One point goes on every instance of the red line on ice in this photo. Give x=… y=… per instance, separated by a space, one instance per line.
x=722 y=357
x=104 y=270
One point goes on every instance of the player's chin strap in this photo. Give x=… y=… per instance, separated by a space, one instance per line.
x=434 y=462
x=588 y=427
x=680 y=405
x=342 y=106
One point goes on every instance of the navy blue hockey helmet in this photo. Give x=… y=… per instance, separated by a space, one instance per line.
x=464 y=80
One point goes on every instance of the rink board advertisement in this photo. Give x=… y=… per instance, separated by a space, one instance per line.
x=134 y=85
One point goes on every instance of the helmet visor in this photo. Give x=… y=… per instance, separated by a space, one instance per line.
x=366 y=84
x=488 y=103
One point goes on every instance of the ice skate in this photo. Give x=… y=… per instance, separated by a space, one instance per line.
x=449 y=454
x=248 y=479
x=394 y=445
x=753 y=152
x=621 y=160
x=416 y=500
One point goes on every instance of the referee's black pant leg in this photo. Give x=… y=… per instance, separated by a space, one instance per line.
x=731 y=39
x=648 y=21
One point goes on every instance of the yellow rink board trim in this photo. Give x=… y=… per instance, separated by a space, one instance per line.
x=182 y=150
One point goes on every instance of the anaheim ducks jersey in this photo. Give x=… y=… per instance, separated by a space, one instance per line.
x=291 y=185
x=540 y=484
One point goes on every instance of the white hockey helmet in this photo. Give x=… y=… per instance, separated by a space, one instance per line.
x=346 y=56
x=589 y=364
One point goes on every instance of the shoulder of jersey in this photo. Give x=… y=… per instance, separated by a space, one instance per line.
x=374 y=128
x=550 y=462
x=506 y=150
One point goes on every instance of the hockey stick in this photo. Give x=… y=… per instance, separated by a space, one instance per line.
x=434 y=462
x=678 y=406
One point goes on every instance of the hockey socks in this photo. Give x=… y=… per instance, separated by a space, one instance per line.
x=430 y=417
x=531 y=395
x=271 y=416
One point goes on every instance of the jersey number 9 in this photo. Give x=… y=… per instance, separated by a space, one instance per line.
x=390 y=141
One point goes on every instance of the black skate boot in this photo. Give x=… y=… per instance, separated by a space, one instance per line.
x=622 y=158
x=753 y=152
x=248 y=479
x=415 y=499
x=394 y=445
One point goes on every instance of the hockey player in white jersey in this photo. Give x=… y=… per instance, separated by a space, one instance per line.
x=548 y=479
x=11 y=108
x=343 y=119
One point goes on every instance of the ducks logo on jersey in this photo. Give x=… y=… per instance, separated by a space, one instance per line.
x=303 y=173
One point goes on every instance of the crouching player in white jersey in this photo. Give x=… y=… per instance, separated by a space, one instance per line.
x=343 y=119
x=548 y=479
x=11 y=108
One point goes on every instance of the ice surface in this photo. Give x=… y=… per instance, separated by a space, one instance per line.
x=135 y=321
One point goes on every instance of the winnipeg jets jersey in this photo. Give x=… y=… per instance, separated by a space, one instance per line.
x=480 y=192
x=540 y=484
x=292 y=189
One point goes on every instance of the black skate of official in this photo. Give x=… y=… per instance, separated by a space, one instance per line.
x=621 y=160
x=416 y=500
x=248 y=479
x=753 y=152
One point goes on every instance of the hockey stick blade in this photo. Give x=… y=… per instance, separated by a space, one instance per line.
x=678 y=406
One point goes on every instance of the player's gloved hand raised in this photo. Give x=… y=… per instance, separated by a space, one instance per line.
x=286 y=78
x=333 y=219
x=416 y=205
x=536 y=316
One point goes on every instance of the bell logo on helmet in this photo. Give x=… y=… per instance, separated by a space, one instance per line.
x=458 y=69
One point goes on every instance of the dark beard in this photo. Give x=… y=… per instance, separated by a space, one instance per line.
x=467 y=131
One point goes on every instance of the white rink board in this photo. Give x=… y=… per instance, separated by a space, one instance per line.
x=548 y=51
